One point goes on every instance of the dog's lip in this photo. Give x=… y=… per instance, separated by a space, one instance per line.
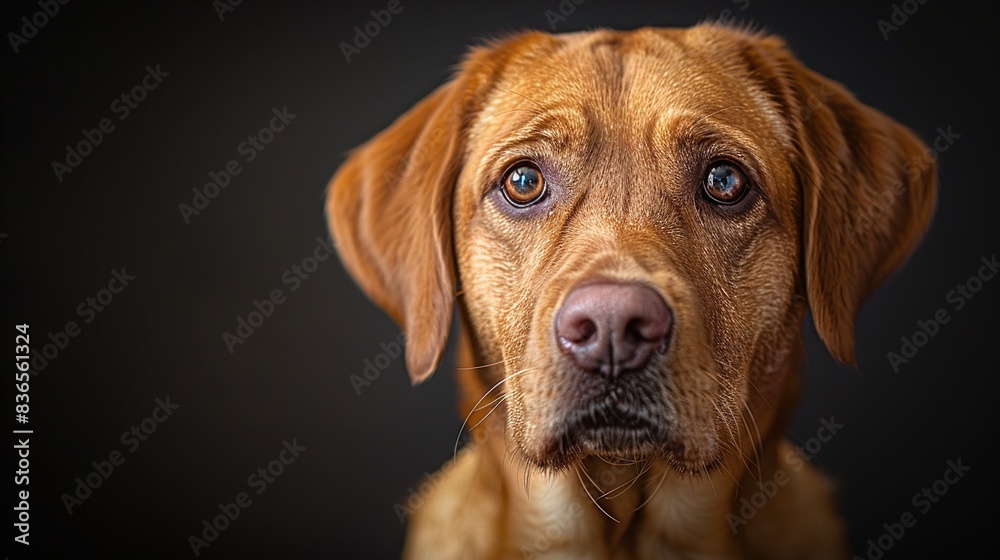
x=621 y=432
x=609 y=415
x=610 y=428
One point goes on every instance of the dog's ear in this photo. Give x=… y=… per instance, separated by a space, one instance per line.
x=390 y=211
x=868 y=191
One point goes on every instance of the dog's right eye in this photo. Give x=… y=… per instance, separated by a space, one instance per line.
x=725 y=183
x=523 y=184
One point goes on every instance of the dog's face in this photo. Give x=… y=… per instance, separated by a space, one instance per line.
x=634 y=224
x=627 y=244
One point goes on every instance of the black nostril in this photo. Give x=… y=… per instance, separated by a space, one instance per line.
x=645 y=330
x=587 y=330
x=576 y=336
x=633 y=331
x=578 y=330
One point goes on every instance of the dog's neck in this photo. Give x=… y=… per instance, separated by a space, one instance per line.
x=598 y=509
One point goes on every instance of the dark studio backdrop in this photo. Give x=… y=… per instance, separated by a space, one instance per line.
x=128 y=298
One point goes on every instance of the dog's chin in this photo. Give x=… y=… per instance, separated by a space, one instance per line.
x=638 y=450
x=618 y=437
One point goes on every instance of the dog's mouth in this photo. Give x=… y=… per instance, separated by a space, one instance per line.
x=610 y=429
x=628 y=420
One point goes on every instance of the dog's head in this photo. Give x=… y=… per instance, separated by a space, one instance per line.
x=634 y=224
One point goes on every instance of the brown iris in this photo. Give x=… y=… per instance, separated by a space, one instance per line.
x=523 y=184
x=725 y=183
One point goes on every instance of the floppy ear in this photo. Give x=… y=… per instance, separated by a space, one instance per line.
x=389 y=209
x=868 y=192
x=390 y=206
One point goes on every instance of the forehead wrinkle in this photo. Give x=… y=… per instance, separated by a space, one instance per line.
x=605 y=68
x=588 y=80
x=595 y=97
x=670 y=73
x=668 y=125
x=527 y=132
x=685 y=126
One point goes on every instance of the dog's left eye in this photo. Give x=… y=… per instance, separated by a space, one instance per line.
x=725 y=183
x=523 y=184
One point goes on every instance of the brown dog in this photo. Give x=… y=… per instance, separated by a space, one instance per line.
x=633 y=225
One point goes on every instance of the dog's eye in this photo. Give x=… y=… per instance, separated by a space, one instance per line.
x=725 y=183
x=523 y=184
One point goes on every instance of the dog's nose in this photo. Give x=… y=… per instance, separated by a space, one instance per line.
x=612 y=329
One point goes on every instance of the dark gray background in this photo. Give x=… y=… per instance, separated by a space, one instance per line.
x=163 y=335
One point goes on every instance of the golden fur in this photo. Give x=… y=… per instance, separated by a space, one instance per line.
x=624 y=123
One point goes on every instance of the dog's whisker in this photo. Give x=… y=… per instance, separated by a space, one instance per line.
x=627 y=485
x=730 y=473
x=730 y=428
x=738 y=442
x=763 y=398
x=475 y=406
x=521 y=109
x=483 y=419
x=750 y=381
x=587 y=474
x=711 y=482
x=756 y=441
x=733 y=420
x=639 y=472
x=713 y=113
x=655 y=490
x=607 y=495
x=487 y=405
x=628 y=464
x=732 y=386
x=479 y=367
x=744 y=458
x=521 y=95
x=529 y=470
x=582 y=483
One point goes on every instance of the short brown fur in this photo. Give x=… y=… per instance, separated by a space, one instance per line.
x=622 y=124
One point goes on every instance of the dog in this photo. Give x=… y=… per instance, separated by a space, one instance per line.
x=630 y=227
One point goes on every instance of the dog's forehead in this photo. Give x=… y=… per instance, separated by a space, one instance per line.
x=633 y=80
